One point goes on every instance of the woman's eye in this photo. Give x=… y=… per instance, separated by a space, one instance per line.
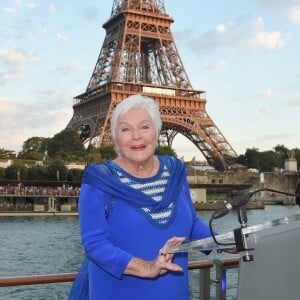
x=145 y=127
x=125 y=129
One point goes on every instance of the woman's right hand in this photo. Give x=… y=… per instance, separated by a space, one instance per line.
x=158 y=266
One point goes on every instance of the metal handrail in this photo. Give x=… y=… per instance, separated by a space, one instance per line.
x=37 y=279
x=203 y=266
x=67 y=277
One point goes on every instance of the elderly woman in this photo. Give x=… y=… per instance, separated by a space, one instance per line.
x=131 y=208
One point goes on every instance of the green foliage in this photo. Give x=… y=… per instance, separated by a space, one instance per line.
x=57 y=171
x=34 y=148
x=74 y=174
x=282 y=151
x=252 y=158
x=107 y=153
x=264 y=161
x=66 y=145
x=31 y=155
x=38 y=172
x=268 y=160
x=12 y=170
x=165 y=150
x=93 y=157
x=7 y=154
x=2 y=173
x=297 y=155
x=93 y=154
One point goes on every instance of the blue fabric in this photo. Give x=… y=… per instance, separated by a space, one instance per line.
x=80 y=287
x=111 y=241
x=99 y=176
x=154 y=187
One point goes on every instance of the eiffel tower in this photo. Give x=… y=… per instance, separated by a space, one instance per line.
x=139 y=56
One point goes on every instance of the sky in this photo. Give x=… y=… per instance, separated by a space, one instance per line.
x=243 y=53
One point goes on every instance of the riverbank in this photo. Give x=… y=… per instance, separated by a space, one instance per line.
x=199 y=206
x=38 y=214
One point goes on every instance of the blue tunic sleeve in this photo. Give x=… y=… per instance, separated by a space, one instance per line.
x=200 y=230
x=96 y=235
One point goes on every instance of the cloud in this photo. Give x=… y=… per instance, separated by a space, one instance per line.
x=22 y=118
x=261 y=112
x=257 y=25
x=268 y=40
x=13 y=56
x=12 y=75
x=273 y=136
x=62 y=38
x=287 y=8
x=51 y=8
x=8 y=10
x=70 y=68
x=294 y=102
x=240 y=34
x=277 y=5
x=223 y=28
x=232 y=34
x=294 y=14
x=220 y=64
x=32 y=5
x=90 y=13
x=38 y=34
x=268 y=93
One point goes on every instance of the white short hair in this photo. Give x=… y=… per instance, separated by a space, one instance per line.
x=133 y=102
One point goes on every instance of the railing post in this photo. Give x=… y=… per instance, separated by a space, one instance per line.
x=221 y=267
x=204 y=282
x=220 y=280
x=204 y=277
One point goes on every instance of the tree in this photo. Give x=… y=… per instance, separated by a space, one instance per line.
x=15 y=171
x=34 y=148
x=283 y=153
x=268 y=160
x=75 y=174
x=107 y=152
x=2 y=173
x=93 y=154
x=66 y=145
x=57 y=171
x=252 y=158
x=297 y=155
x=165 y=150
x=7 y=154
x=38 y=172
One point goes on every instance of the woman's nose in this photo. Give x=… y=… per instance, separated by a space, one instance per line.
x=136 y=134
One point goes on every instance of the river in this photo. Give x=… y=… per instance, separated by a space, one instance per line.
x=47 y=245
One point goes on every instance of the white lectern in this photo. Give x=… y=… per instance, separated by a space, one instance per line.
x=274 y=272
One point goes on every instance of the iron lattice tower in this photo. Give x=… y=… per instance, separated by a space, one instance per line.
x=139 y=55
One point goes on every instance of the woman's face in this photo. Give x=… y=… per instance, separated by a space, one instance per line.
x=136 y=136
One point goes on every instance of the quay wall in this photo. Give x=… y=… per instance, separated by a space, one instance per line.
x=286 y=182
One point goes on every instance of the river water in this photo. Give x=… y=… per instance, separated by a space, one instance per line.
x=48 y=245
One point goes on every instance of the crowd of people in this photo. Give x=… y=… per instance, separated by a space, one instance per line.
x=42 y=191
